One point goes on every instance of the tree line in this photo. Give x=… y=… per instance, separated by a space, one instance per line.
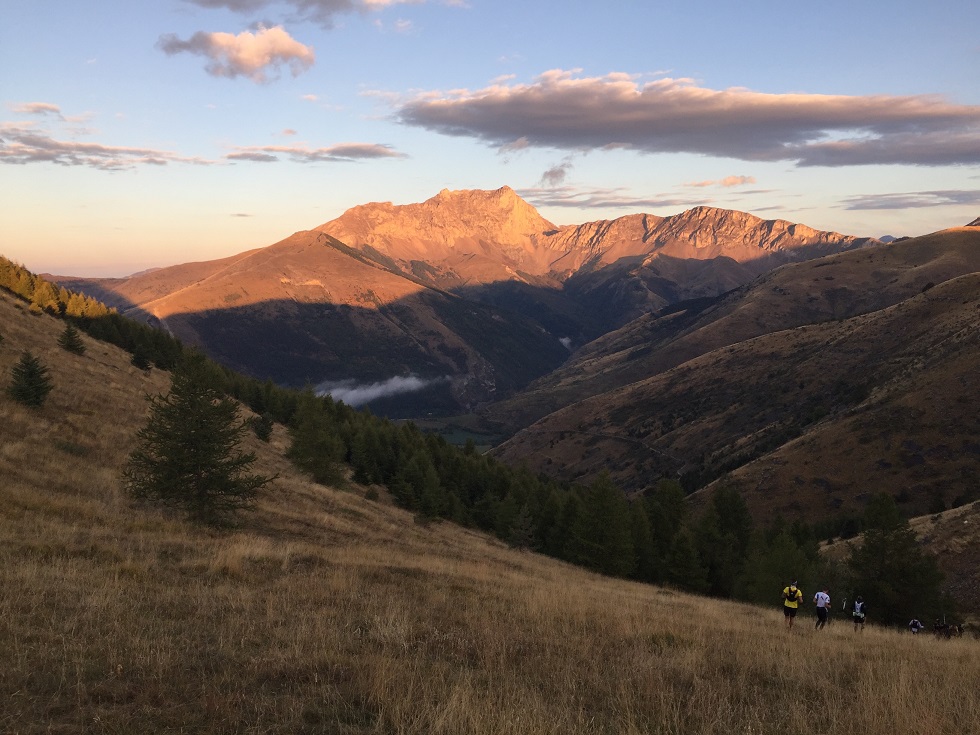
x=652 y=537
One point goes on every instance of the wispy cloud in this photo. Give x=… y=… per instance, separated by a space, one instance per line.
x=357 y=394
x=565 y=111
x=322 y=12
x=618 y=197
x=726 y=183
x=342 y=152
x=248 y=54
x=914 y=199
x=22 y=144
x=37 y=108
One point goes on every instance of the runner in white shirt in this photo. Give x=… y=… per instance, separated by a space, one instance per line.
x=822 y=601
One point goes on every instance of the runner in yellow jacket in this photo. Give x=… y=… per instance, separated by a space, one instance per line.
x=792 y=596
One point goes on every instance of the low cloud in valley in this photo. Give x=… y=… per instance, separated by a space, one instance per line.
x=357 y=394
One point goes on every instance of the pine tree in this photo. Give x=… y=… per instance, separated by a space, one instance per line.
x=140 y=358
x=684 y=567
x=891 y=571
x=771 y=564
x=316 y=446
x=30 y=383
x=71 y=340
x=188 y=454
x=602 y=538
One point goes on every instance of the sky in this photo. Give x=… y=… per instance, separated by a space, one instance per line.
x=138 y=134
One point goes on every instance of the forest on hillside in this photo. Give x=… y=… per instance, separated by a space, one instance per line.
x=651 y=537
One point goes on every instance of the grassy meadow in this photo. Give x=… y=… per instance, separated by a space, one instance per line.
x=326 y=612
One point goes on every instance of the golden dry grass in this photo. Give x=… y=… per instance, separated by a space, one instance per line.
x=328 y=613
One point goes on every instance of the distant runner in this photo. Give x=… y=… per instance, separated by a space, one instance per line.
x=859 y=612
x=915 y=625
x=822 y=601
x=792 y=596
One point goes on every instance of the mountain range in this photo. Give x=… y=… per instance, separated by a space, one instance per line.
x=472 y=292
x=809 y=389
x=808 y=369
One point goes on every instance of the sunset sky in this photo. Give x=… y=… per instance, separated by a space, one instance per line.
x=142 y=134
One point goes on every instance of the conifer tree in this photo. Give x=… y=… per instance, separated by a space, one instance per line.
x=897 y=578
x=188 y=454
x=316 y=446
x=30 y=383
x=71 y=340
x=140 y=358
x=602 y=537
x=684 y=568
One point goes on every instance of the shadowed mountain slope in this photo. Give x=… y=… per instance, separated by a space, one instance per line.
x=472 y=288
x=781 y=390
x=831 y=288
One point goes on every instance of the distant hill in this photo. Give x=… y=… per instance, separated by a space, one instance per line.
x=809 y=389
x=472 y=291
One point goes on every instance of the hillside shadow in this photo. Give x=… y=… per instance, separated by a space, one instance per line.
x=475 y=343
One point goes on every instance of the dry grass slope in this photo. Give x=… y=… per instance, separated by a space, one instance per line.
x=327 y=613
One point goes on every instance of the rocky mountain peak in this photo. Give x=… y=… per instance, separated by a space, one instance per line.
x=975 y=223
x=445 y=223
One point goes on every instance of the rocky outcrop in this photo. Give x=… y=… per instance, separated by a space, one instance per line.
x=485 y=236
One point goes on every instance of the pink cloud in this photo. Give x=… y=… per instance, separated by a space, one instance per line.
x=565 y=111
x=726 y=182
x=248 y=54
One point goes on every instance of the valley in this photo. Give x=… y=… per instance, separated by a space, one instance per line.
x=325 y=610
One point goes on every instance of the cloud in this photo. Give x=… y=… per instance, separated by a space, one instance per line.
x=301 y=154
x=256 y=156
x=568 y=196
x=321 y=12
x=555 y=176
x=310 y=97
x=726 y=182
x=241 y=214
x=22 y=144
x=248 y=54
x=354 y=394
x=914 y=200
x=568 y=112
x=37 y=108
